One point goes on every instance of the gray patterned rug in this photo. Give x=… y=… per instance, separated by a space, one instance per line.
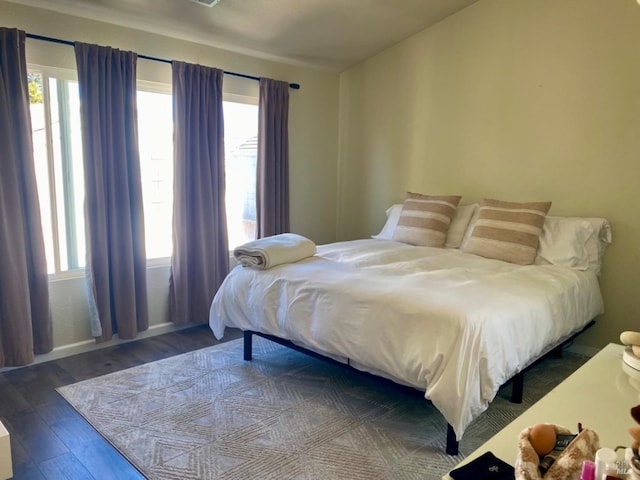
x=208 y=414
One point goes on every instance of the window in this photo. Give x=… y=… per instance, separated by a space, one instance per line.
x=155 y=135
x=241 y=155
x=55 y=117
x=155 y=140
x=57 y=147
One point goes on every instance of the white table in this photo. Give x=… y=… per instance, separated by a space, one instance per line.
x=6 y=470
x=600 y=395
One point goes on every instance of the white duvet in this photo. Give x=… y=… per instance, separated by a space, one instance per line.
x=455 y=325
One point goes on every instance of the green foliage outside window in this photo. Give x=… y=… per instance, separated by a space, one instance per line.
x=35 y=88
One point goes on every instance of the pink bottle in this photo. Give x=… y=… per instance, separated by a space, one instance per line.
x=588 y=470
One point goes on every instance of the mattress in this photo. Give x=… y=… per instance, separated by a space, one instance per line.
x=455 y=325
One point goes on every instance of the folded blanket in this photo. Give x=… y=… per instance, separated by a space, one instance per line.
x=268 y=252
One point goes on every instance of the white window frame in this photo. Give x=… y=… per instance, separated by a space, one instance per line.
x=64 y=75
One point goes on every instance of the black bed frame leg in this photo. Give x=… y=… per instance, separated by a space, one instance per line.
x=248 y=344
x=452 y=443
x=557 y=352
x=517 y=388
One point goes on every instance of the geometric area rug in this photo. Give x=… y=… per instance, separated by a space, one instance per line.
x=208 y=414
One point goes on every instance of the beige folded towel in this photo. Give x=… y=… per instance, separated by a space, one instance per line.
x=268 y=252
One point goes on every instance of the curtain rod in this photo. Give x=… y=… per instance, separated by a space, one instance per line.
x=295 y=86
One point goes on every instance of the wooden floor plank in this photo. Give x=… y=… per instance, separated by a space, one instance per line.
x=23 y=465
x=49 y=439
x=30 y=473
x=105 y=463
x=75 y=432
x=36 y=437
x=13 y=401
x=65 y=467
x=56 y=410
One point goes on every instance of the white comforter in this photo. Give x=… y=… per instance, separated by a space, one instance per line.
x=453 y=324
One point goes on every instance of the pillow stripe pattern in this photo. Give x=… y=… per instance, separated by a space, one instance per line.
x=508 y=231
x=425 y=219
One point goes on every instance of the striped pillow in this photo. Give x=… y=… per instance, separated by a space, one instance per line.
x=508 y=231
x=425 y=219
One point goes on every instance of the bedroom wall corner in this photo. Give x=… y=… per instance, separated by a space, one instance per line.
x=527 y=100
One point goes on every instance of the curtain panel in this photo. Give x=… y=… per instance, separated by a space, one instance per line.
x=200 y=258
x=25 y=314
x=116 y=257
x=272 y=187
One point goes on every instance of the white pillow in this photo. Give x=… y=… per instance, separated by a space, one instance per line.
x=469 y=231
x=598 y=243
x=575 y=242
x=459 y=225
x=564 y=242
x=457 y=229
x=393 y=214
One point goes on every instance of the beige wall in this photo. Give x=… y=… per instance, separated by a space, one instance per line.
x=312 y=130
x=512 y=99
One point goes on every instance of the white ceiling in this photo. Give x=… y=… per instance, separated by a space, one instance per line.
x=327 y=34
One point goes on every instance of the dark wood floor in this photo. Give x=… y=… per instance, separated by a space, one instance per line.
x=49 y=440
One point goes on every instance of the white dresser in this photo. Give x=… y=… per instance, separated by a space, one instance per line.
x=600 y=395
x=6 y=470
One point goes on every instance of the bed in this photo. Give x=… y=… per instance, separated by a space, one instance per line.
x=453 y=324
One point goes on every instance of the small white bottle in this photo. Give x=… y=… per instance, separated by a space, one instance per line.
x=606 y=459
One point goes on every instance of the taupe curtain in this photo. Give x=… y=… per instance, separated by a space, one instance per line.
x=200 y=258
x=116 y=257
x=25 y=315
x=272 y=188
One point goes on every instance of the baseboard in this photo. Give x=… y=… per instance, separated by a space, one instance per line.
x=90 y=345
x=167 y=327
